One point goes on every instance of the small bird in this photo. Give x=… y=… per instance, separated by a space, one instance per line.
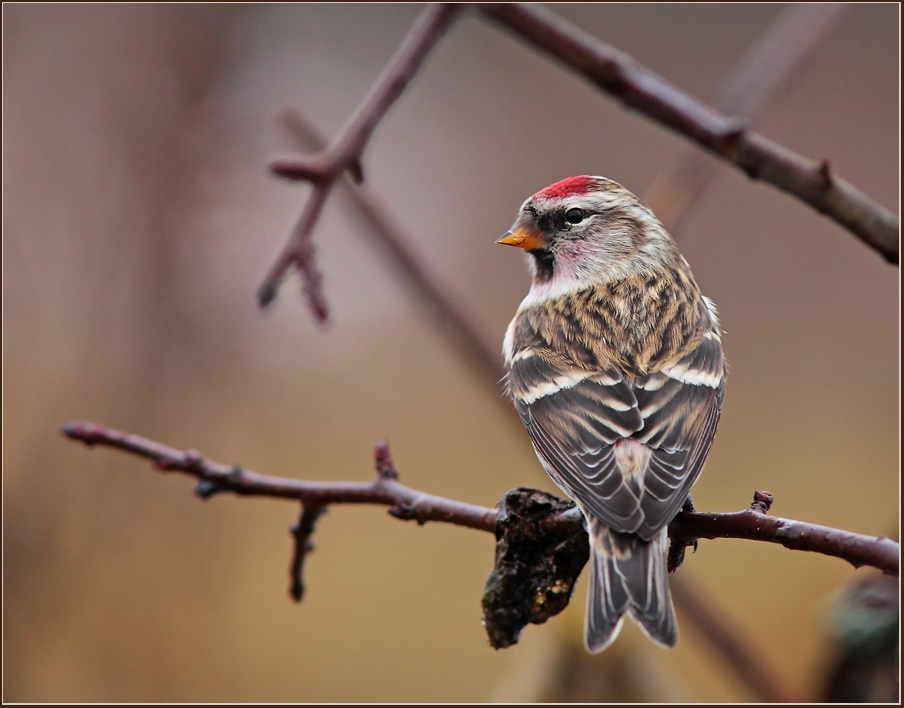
x=614 y=362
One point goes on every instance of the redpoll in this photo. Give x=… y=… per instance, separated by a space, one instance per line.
x=615 y=366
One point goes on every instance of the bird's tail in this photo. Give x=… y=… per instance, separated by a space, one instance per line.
x=627 y=575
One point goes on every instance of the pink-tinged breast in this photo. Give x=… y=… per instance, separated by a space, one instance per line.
x=566 y=188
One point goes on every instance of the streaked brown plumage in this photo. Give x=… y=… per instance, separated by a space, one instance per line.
x=615 y=366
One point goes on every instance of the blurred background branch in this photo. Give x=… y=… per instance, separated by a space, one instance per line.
x=769 y=63
x=423 y=287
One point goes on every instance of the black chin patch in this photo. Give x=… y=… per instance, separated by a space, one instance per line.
x=545 y=261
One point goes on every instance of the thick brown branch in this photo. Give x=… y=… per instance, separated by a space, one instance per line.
x=646 y=92
x=345 y=153
x=754 y=524
x=410 y=504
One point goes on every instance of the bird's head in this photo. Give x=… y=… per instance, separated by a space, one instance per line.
x=587 y=230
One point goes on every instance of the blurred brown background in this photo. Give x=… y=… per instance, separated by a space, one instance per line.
x=139 y=220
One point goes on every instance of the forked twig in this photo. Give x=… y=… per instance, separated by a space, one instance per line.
x=344 y=154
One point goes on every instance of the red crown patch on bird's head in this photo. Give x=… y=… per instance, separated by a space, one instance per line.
x=567 y=187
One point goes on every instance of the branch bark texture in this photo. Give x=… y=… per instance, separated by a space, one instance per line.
x=413 y=505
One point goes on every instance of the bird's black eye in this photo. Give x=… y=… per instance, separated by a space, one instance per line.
x=574 y=216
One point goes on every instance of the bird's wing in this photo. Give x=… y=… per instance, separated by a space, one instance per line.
x=681 y=406
x=665 y=423
x=574 y=418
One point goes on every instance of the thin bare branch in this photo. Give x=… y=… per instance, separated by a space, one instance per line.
x=300 y=253
x=301 y=532
x=644 y=91
x=753 y=524
x=345 y=153
x=768 y=63
x=409 y=504
x=214 y=478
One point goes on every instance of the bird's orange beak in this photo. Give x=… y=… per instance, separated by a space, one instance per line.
x=523 y=238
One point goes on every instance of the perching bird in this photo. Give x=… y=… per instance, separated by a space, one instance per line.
x=615 y=366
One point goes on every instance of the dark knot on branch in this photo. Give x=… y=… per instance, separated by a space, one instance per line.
x=536 y=564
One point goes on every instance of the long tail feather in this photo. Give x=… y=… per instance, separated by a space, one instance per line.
x=628 y=576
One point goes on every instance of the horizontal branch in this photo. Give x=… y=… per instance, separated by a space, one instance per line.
x=409 y=504
x=644 y=91
x=214 y=478
x=754 y=524
x=568 y=548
